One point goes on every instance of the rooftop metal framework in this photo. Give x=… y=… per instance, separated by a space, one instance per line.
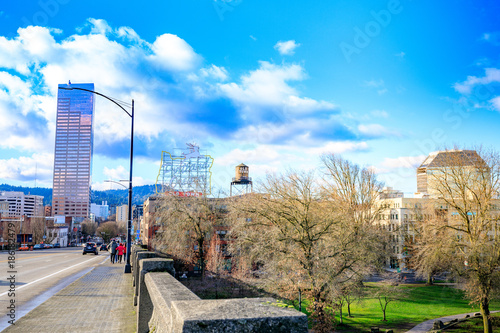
x=185 y=170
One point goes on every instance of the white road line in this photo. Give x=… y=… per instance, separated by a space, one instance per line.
x=40 y=279
x=104 y=260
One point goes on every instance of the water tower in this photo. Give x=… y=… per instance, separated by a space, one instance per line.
x=242 y=183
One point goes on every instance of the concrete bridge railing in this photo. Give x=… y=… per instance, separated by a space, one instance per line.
x=166 y=305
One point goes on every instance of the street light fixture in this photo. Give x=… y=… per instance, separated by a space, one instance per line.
x=131 y=115
x=119 y=182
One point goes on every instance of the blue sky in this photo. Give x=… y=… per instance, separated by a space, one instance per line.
x=269 y=84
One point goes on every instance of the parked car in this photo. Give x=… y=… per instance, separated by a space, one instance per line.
x=48 y=246
x=24 y=247
x=90 y=248
x=57 y=245
x=38 y=247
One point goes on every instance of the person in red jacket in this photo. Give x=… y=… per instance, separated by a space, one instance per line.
x=120 y=250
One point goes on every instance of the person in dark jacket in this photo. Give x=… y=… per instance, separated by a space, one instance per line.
x=113 y=248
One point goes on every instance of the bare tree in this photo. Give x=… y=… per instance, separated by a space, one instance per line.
x=466 y=188
x=320 y=231
x=216 y=264
x=431 y=250
x=187 y=224
x=388 y=292
x=346 y=294
x=37 y=229
x=122 y=228
x=108 y=229
x=355 y=193
x=89 y=228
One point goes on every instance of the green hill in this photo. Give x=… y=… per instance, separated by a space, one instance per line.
x=113 y=197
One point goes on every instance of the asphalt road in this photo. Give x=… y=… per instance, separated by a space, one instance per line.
x=37 y=275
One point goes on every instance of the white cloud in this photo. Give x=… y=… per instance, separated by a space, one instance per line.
x=133 y=68
x=306 y=105
x=482 y=62
x=492 y=37
x=340 y=147
x=491 y=75
x=411 y=162
x=215 y=72
x=173 y=53
x=298 y=132
x=286 y=47
x=374 y=83
x=165 y=78
x=116 y=174
x=377 y=85
x=169 y=82
x=99 y=26
x=496 y=103
x=262 y=154
x=21 y=117
x=263 y=159
x=268 y=87
x=32 y=43
x=379 y=114
x=403 y=166
x=375 y=130
x=36 y=167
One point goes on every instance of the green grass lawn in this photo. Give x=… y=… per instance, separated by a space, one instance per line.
x=422 y=303
x=475 y=325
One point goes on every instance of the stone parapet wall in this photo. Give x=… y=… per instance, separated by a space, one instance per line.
x=165 y=305
x=164 y=289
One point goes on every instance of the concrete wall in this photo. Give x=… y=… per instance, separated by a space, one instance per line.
x=166 y=305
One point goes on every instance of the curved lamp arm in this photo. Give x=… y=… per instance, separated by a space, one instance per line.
x=97 y=93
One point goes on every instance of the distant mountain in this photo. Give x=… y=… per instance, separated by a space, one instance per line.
x=120 y=197
x=45 y=192
x=113 y=197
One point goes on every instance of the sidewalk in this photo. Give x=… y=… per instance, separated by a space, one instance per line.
x=100 y=301
x=427 y=325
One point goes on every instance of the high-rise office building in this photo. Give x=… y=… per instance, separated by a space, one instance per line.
x=73 y=151
x=20 y=204
x=122 y=213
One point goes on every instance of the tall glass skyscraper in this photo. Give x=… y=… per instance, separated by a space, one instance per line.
x=73 y=151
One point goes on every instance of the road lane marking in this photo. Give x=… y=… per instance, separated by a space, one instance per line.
x=40 y=279
x=104 y=260
x=40 y=256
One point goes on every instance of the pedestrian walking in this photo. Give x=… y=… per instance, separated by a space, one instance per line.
x=120 y=249
x=114 y=246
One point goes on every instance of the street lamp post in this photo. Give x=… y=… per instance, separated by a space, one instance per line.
x=131 y=115
x=129 y=228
